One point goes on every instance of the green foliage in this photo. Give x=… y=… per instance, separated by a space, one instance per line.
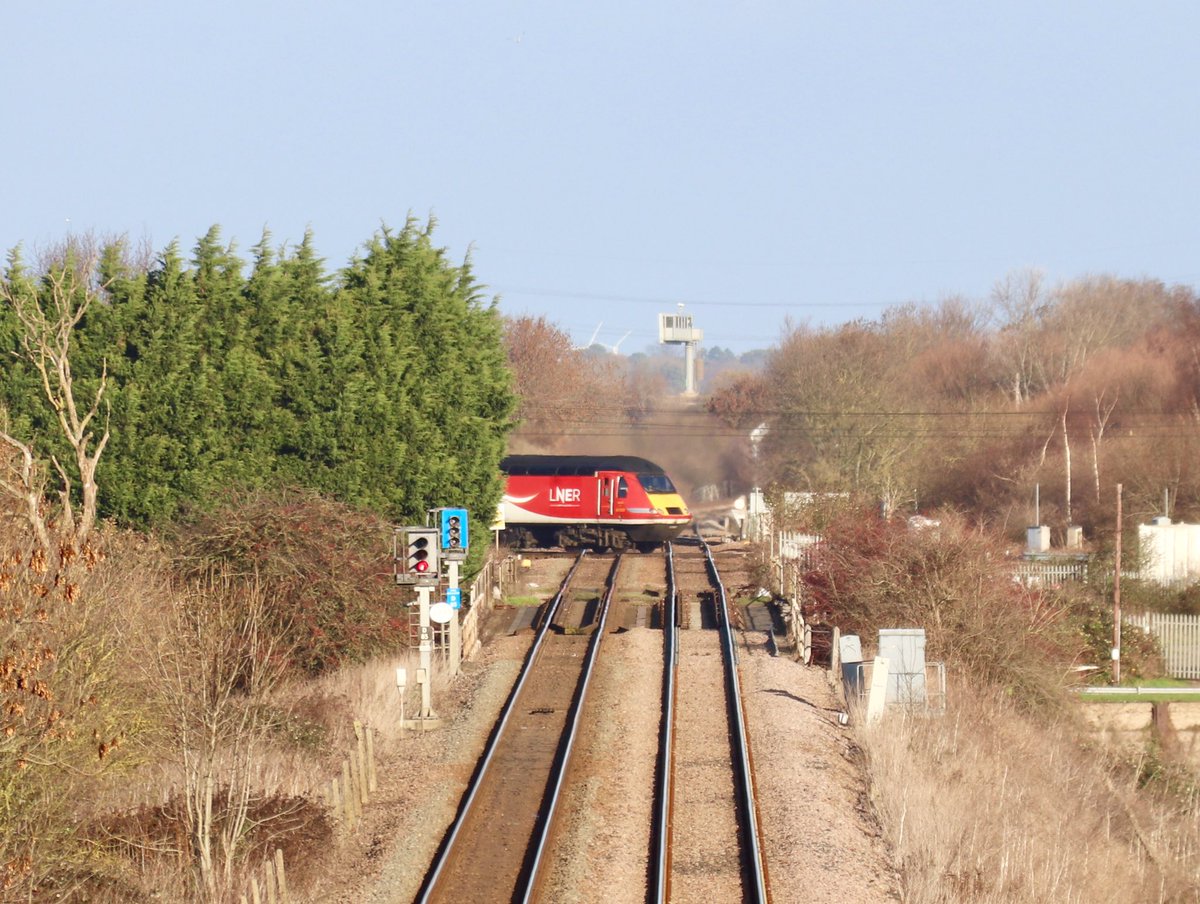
x=429 y=402
x=385 y=386
x=1147 y=596
x=1091 y=612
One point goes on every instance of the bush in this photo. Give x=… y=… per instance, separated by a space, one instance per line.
x=955 y=581
x=65 y=717
x=326 y=567
x=1090 y=615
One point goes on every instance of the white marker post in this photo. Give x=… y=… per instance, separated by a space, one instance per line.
x=426 y=716
x=454 y=598
x=877 y=696
x=426 y=650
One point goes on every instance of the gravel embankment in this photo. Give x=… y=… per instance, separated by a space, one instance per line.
x=820 y=843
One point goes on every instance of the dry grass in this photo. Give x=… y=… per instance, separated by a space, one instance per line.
x=985 y=804
x=365 y=693
x=108 y=827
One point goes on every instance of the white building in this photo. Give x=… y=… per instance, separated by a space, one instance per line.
x=1170 y=552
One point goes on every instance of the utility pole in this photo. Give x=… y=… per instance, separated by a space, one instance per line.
x=1116 y=648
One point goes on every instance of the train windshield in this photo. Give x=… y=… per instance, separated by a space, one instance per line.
x=656 y=483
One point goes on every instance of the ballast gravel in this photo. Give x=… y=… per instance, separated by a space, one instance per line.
x=819 y=839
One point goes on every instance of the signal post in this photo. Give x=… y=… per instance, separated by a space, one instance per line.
x=453 y=541
x=420 y=568
x=424 y=548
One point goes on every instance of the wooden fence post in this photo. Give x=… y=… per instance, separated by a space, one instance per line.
x=360 y=768
x=372 y=784
x=347 y=794
x=269 y=882
x=280 y=878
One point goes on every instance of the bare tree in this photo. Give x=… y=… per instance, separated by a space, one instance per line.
x=1066 y=459
x=216 y=669
x=47 y=311
x=562 y=389
x=1104 y=412
x=22 y=478
x=1021 y=303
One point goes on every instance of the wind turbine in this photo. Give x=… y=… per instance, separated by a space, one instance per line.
x=613 y=349
x=592 y=341
x=616 y=345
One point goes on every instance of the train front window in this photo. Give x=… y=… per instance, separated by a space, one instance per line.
x=656 y=483
x=622 y=488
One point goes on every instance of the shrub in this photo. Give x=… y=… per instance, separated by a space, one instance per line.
x=64 y=718
x=954 y=580
x=326 y=568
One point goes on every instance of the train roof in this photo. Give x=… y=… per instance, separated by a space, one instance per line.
x=576 y=465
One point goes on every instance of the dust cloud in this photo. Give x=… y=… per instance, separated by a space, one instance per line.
x=709 y=462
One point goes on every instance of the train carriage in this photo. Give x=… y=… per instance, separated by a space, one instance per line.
x=603 y=501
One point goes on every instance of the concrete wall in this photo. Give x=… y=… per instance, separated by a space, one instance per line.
x=1132 y=725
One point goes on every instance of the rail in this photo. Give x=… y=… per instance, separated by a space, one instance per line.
x=662 y=821
x=560 y=770
x=738 y=720
x=444 y=854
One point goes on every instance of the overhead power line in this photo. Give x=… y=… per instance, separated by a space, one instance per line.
x=674 y=300
x=751 y=413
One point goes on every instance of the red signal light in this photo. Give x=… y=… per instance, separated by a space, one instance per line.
x=420 y=552
x=420 y=557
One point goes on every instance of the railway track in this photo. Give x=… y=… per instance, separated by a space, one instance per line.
x=707 y=839
x=665 y=757
x=494 y=847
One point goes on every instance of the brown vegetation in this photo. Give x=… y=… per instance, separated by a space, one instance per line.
x=1006 y=795
x=65 y=710
x=328 y=569
x=155 y=731
x=989 y=803
x=1071 y=389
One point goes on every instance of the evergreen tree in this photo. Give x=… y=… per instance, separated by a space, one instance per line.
x=435 y=396
x=164 y=399
x=22 y=409
x=387 y=389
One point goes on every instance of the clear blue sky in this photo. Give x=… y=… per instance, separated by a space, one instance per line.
x=755 y=160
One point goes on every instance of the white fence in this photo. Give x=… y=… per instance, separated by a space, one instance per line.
x=1043 y=574
x=1178 y=637
x=481 y=596
x=800 y=551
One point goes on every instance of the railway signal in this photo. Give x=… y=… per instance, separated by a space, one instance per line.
x=420 y=557
x=452 y=527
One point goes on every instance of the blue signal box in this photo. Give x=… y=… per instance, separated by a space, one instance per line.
x=452 y=529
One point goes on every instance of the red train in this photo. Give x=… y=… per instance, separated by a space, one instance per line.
x=602 y=501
